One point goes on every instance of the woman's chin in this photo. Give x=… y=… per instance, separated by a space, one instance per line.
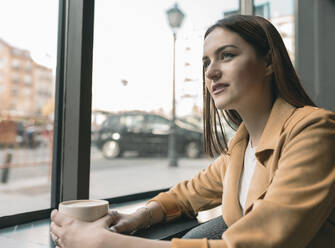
x=222 y=106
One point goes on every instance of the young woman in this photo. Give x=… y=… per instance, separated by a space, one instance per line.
x=275 y=179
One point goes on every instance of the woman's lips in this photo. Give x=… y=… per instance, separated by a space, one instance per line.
x=218 y=88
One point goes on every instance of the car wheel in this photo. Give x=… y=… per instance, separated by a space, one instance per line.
x=111 y=149
x=192 y=150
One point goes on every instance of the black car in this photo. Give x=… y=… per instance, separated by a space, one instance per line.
x=145 y=133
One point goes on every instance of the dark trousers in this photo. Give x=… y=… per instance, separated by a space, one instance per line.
x=212 y=229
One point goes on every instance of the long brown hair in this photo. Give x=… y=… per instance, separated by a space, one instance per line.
x=266 y=41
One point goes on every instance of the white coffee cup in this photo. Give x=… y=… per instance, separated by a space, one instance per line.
x=85 y=210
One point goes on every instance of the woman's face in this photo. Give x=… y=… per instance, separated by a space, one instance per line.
x=235 y=75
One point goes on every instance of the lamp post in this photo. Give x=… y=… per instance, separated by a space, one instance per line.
x=175 y=18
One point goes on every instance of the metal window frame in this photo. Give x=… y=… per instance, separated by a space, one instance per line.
x=314 y=49
x=76 y=135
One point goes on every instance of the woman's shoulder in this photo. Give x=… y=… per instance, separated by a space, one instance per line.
x=309 y=117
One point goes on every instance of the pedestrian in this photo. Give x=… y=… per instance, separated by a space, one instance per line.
x=276 y=177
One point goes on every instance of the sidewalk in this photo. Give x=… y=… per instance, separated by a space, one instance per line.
x=109 y=178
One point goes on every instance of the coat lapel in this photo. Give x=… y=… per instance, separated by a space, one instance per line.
x=261 y=179
x=262 y=176
x=231 y=208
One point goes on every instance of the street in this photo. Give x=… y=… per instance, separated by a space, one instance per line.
x=28 y=187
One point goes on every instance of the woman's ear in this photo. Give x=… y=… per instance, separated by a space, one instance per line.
x=268 y=60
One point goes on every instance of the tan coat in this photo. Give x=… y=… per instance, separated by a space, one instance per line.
x=291 y=200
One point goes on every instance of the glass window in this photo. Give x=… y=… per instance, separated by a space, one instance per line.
x=28 y=66
x=15 y=91
x=132 y=122
x=1 y=61
x=27 y=79
x=15 y=78
x=133 y=72
x=157 y=123
x=27 y=91
x=16 y=63
x=26 y=126
x=281 y=15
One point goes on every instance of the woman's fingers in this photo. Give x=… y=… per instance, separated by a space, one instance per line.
x=53 y=236
x=56 y=231
x=114 y=217
x=59 y=218
x=107 y=220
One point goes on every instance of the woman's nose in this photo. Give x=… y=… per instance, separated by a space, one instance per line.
x=214 y=74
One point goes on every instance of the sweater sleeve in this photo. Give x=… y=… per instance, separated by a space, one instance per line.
x=300 y=198
x=202 y=192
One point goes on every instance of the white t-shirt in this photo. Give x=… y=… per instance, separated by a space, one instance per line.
x=247 y=173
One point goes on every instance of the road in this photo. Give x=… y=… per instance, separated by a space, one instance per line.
x=28 y=187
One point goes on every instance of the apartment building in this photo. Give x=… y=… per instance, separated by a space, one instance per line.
x=25 y=86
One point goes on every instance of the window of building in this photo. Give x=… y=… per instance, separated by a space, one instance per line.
x=16 y=51
x=16 y=64
x=13 y=106
x=2 y=87
x=27 y=79
x=26 y=91
x=15 y=92
x=28 y=66
x=1 y=63
x=15 y=78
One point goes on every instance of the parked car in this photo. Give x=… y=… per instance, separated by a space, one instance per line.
x=145 y=133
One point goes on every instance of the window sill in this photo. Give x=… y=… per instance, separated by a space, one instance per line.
x=36 y=234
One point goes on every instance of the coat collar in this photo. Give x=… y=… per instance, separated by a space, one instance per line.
x=232 y=211
x=281 y=111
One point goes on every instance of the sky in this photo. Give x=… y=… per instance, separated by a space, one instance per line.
x=132 y=42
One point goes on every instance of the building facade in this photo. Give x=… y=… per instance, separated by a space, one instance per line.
x=25 y=86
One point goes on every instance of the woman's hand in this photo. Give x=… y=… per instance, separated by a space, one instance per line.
x=68 y=232
x=126 y=223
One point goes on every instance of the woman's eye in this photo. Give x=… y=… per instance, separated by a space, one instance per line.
x=227 y=55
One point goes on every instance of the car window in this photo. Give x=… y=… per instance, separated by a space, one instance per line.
x=112 y=121
x=157 y=123
x=132 y=122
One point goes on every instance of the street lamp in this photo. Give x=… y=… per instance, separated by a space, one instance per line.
x=175 y=18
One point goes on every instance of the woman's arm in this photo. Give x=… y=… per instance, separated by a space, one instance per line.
x=150 y=215
x=202 y=192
